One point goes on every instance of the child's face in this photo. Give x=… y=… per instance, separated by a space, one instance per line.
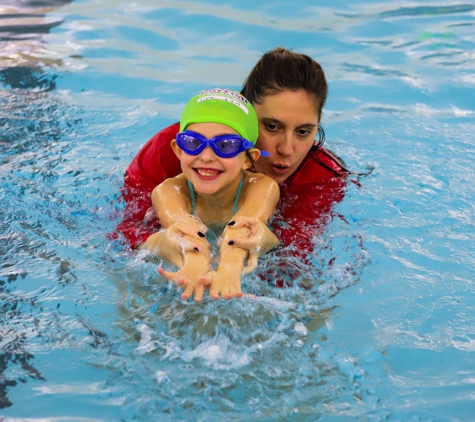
x=209 y=173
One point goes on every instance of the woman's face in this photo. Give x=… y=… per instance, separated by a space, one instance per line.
x=288 y=124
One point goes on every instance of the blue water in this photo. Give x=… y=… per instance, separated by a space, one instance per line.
x=384 y=329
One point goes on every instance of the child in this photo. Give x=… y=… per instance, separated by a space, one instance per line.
x=215 y=146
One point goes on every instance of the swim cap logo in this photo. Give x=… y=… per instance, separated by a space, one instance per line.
x=227 y=92
x=223 y=98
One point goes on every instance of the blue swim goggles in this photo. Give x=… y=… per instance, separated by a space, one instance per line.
x=224 y=146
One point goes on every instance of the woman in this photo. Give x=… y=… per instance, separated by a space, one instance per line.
x=288 y=91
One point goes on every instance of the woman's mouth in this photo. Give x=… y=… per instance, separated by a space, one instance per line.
x=279 y=169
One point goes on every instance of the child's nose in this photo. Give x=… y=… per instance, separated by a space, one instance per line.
x=208 y=154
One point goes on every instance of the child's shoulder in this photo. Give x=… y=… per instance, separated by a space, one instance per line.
x=171 y=183
x=260 y=179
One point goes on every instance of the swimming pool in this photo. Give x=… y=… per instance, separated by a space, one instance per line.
x=90 y=332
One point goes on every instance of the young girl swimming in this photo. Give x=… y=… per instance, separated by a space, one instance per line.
x=215 y=146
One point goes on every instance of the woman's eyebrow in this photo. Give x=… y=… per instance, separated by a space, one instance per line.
x=312 y=125
x=271 y=120
x=279 y=122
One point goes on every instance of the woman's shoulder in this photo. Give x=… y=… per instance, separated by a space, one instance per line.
x=329 y=160
x=319 y=167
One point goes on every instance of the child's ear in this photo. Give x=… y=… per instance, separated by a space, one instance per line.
x=254 y=154
x=176 y=149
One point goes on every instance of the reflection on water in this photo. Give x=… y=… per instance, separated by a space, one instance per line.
x=23 y=57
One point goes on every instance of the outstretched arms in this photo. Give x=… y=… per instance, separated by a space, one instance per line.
x=245 y=237
x=183 y=242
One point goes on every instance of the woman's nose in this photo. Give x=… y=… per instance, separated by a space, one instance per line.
x=286 y=146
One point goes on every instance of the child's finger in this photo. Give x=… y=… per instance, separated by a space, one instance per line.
x=235 y=289
x=188 y=292
x=214 y=291
x=199 y=290
x=205 y=280
x=237 y=293
x=226 y=293
x=169 y=275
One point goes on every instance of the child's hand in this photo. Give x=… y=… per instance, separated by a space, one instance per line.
x=186 y=280
x=195 y=264
x=225 y=281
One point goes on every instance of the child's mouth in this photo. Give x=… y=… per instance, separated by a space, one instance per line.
x=208 y=173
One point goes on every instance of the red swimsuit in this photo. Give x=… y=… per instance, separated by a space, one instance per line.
x=306 y=197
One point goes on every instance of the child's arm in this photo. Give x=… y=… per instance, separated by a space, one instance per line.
x=260 y=200
x=171 y=201
x=248 y=237
x=182 y=241
x=256 y=238
x=181 y=230
x=195 y=264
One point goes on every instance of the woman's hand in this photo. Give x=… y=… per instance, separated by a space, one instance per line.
x=185 y=235
x=256 y=240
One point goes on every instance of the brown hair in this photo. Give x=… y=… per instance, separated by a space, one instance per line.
x=281 y=70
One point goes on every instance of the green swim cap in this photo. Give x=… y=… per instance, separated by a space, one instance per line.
x=222 y=106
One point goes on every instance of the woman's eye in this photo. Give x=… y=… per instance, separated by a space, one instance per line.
x=271 y=127
x=304 y=132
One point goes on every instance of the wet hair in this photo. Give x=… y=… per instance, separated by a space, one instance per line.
x=282 y=70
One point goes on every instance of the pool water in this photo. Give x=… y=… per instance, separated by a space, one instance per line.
x=384 y=327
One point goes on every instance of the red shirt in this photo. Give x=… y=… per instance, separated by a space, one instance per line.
x=306 y=197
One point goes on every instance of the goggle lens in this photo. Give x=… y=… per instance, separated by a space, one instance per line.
x=229 y=146
x=189 y=142
x=225 y=146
